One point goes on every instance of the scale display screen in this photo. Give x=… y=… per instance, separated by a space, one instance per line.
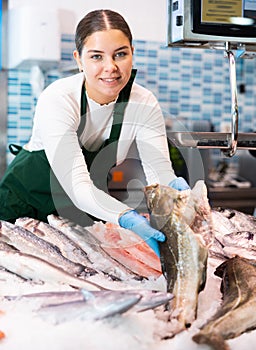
x=234 y=18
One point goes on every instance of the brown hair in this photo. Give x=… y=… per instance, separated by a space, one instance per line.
x=100 y=20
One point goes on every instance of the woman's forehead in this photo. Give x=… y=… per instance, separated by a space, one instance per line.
x=111 y=38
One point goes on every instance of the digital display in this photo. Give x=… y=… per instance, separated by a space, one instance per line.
x=226 y=18
x=215 y=11
x=229 y=11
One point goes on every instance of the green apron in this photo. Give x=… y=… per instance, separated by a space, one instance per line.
x=29 y=187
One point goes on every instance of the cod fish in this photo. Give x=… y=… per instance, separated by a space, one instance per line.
x=237 y=313
x=185 y=219
x=26 y=242
x=92 y=246
x=34 y=268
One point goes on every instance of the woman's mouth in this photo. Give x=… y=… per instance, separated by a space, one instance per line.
x=109 y=80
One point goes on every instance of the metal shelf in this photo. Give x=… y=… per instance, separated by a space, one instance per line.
x=208 y=140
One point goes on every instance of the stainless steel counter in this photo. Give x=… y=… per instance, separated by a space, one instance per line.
x=235 y=198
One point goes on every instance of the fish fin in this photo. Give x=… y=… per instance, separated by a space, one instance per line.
x=216 y=341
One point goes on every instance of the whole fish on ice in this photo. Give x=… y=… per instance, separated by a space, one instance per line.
x=149 y=299
x=36 y=269
x=237 y=313
x=26 y=242
x=93 y=307
x=185 y=218
x=68 y=248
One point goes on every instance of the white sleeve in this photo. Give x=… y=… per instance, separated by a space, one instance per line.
x=151 y=140
x=57 y=118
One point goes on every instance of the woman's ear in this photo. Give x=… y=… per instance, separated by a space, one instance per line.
x=78 y=61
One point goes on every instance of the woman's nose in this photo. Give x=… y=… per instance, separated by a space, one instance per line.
x=110 y=64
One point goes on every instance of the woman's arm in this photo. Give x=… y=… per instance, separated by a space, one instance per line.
x=57 y=118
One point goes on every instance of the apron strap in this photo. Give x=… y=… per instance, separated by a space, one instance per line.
x=120 y=107
x=14 y=149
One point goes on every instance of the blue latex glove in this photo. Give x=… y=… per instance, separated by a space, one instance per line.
x=133 y=221
x=179 y=184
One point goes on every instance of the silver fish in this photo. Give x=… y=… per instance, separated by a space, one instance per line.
x=68 y=248
x=27 y=242
x=50 y=297
x=34 y=268
x=185 y=218
x=150 y=299
x=93 y=307
x=237 y=313
x=100 y=259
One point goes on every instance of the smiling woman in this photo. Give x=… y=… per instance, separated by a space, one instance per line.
x=106 y=61
x=84 y=125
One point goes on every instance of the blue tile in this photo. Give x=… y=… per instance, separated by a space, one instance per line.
x=196 y=108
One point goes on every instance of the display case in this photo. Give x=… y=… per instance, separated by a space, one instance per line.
x=205 y=23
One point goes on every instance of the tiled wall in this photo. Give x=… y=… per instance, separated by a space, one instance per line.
x=191 y=84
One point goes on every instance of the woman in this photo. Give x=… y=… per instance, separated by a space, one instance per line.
x=85 y=124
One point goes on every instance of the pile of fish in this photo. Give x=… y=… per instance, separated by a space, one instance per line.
x=106 y=266
x=194 y=231
x=234 y=234
x=69 y=253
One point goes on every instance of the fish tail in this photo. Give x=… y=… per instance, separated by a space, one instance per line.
x=216 y=341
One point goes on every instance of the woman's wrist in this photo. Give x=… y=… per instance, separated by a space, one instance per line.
x=124 y=211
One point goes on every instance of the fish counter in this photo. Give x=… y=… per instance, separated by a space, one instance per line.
x=63 y=286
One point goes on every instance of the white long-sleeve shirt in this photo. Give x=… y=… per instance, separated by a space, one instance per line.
x=56 y=121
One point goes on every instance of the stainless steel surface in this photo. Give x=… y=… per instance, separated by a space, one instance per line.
x=234 y=106
x=207 y=140
x=236 y=198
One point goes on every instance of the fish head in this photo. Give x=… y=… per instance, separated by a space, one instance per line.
x=159 y=201
x=162 y=202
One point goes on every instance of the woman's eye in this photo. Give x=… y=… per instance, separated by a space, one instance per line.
x=121 y=54
x=96 y=57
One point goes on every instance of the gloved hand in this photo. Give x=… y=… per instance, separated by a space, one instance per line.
x=133 y=221
x=179 y=184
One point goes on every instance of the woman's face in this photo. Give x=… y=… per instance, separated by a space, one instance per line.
x=106 y=61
